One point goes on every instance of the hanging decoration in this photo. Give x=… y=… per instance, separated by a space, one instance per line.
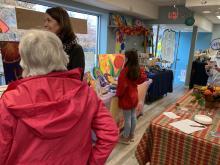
x=125 y=28
x=120 y=42
x=168 y=46
x=190 y=21
x=117 y=20
x=131 y=31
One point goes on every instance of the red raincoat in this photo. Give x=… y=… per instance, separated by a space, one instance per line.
x=47 y=120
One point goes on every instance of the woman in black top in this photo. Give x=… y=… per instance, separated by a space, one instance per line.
x=57 y=21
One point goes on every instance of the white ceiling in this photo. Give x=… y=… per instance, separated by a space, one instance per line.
x=194 y=5
x=197 y=6
x=168 y=2
x=143 y=9
x=215 y=11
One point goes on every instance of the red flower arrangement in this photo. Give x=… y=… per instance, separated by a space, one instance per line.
x=207 y=96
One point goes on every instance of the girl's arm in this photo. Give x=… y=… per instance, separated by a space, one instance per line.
x=142 y=77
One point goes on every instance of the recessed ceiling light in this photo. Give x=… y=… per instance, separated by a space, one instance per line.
x=218 y=16
x=206 y=12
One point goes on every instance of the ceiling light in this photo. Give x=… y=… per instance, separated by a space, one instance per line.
x=218 y=16
x=206 y=12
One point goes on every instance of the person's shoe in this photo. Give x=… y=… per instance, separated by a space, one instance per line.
x=131 y=138
x=124 y=140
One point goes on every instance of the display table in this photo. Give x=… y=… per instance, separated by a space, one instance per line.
x=142 y=91
x=111 y=102
x=162 y=84
x=163 y=144
x=107 y=99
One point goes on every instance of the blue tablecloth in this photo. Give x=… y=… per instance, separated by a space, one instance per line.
x=162 y=84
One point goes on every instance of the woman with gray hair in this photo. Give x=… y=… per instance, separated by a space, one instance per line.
x=47 y=117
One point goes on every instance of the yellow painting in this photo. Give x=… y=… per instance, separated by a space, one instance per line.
x=111 y=63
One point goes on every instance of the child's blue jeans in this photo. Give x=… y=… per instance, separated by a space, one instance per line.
x=130 y=122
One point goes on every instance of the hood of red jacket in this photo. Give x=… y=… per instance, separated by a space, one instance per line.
x=50 y=105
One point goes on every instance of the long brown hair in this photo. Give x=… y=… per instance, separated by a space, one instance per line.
x=61 y=16
x=132 y=64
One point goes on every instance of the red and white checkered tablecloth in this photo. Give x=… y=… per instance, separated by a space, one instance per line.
x=163 y=144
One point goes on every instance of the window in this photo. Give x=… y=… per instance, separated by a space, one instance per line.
x=88 y=41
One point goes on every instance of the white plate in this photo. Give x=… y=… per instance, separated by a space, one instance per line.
x=203 y=119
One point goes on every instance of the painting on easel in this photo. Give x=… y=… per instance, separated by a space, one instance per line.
x=111 y=63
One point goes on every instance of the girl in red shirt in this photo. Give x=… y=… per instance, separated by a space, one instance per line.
x=130 y=76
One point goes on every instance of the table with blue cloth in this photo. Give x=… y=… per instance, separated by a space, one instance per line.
x=162 y=84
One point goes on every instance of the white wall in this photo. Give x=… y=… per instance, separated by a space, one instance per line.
x=143 y=8
x=216 y=32
x=203 y=23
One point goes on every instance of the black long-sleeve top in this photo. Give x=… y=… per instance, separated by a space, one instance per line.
x=76 y=56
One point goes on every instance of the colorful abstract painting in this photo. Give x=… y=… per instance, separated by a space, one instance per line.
x=11 y=60
x=111 y=63
x=3 y=27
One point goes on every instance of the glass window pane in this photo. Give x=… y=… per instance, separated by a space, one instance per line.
x=88 y=41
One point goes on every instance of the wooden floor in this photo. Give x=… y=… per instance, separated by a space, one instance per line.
x=124 y=154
